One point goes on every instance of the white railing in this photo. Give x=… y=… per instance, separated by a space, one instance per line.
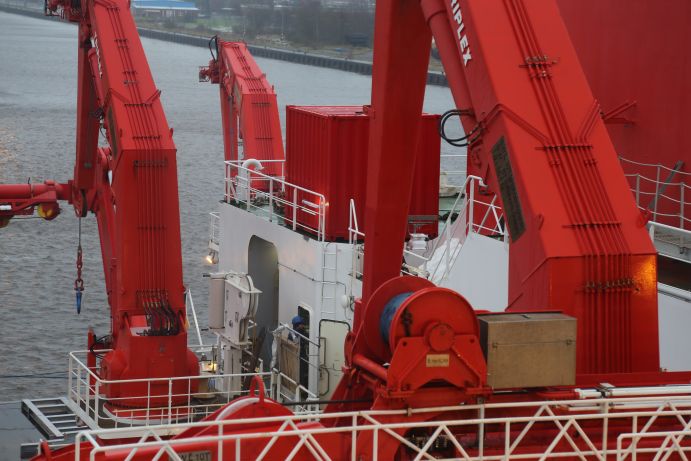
x=356 y=237
x=275 y=199
x=598 y=429
x=467 y=215
x=157 y=401
x=655 y=189
x=310 y=358
x=214 y=230
x=191 y=309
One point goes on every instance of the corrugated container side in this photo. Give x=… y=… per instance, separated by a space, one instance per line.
x=349 y=140
x=307 y=140
x=326 y=150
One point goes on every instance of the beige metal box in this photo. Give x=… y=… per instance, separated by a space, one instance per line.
x=529 y=350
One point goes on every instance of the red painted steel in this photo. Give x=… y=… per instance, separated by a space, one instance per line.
x=140 y=242
x=641 y=82
x=577 y=240
x=327 y=152
x=578 y=243
x=24 y=199
x=248 y=106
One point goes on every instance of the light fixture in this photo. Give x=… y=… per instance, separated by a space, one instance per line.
x=212 y=257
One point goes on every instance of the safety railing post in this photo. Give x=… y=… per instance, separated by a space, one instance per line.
x=69 y=378
x=507 y=440
x=322 y=214
x=471 y=206
x=634 y=442
x=220 y=441
x=271 y=199
x=681 y=206
x=148 y=399
x=447 y=250
x=170 y=401
x=638 y=190
x=295 y=207
x=248 y=188
x=481 y=434
x=657 y=191
x=189 y=400
x=97 y=402
x=79 y=385
x=229 y=177
x=605 y=428
x=353 y=439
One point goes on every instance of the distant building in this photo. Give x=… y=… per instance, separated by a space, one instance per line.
x=165 y=8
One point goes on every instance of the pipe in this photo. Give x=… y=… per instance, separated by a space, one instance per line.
x=27 y=191
x=370 y=366
x=633 y=391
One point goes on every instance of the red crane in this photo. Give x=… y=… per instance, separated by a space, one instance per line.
x=578 y=245
x=249 y=110
x=131 y=186
x=25 y=199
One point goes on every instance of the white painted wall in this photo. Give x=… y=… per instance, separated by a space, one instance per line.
x=675 y=323
x=481 y=273
x=300 y=261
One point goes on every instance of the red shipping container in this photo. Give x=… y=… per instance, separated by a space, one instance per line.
x=326 y=152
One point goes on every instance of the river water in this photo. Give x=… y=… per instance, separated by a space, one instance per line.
x=38 y=79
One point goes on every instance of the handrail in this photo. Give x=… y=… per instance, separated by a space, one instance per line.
x=633 y=417
x=189 y=304
x=654 y=165
x=454 y=232
x=261 y=194
x=661 y=197
x=86 y=393
x=451 y=236
x=460 y=199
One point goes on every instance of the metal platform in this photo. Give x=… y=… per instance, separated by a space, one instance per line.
x=672 y=242
x=56 y=421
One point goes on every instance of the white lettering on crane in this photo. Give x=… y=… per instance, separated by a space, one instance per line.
x=462 y=37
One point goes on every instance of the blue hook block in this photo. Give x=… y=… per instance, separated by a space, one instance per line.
x=79 y=301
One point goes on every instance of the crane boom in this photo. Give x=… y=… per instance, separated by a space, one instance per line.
x=249 y=109
x=131 y=186
x=578 y=243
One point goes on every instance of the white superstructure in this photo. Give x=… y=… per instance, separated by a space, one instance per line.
x=257 y=231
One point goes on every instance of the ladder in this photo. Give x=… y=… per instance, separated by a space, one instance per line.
x=54 y=419
x=329 y=280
